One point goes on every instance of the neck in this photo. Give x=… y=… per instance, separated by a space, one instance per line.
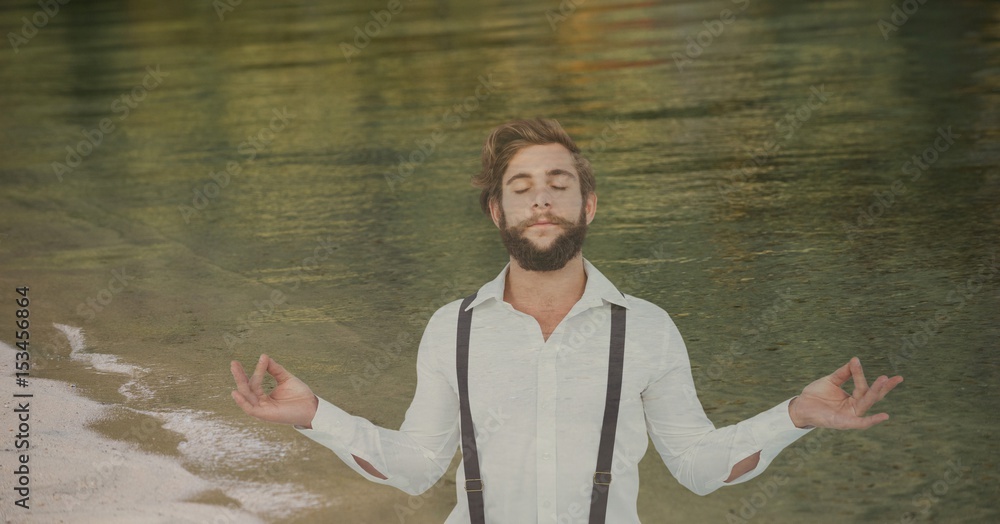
x=545 y=290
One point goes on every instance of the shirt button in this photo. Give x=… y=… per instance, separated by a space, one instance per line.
x=547 y=503
x=546 y=456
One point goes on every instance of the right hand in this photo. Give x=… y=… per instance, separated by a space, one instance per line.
x=290 y=402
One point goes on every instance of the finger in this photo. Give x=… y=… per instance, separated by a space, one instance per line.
x=257 y=380
x=890 y=385
x=869 y=421
x=880 y=388
x=278 y=371
x=239 y=375
x=860 y=384
x=843 y=373
x=241 y=401
x=873 y=395
x=242 y=383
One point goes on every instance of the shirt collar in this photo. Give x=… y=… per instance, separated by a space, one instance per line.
x=597 y=290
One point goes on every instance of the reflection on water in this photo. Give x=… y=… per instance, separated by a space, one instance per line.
x=791 y=184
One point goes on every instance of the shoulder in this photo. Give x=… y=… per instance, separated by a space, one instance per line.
x=643 y=311
x=446 y=314
x=437 y=345
x=653 y=325
x=443 y=323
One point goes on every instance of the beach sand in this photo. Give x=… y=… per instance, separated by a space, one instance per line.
x=78 y=476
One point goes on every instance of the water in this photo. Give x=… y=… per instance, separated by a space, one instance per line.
x=782 y=245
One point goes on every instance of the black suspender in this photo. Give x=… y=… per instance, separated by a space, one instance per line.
x=470 y=454
x=616 y=359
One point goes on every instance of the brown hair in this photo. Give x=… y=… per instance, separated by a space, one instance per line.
x=507 y=139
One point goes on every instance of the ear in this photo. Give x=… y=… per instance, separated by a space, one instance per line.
x=591 y=205
x=495 y=212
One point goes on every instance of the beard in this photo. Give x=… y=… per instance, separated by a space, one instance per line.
x=560 y=251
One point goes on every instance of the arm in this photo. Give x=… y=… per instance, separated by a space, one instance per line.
x=702 y=457
x=744 y=466
x=412 y=458
x=291 y=402
x=824 y=404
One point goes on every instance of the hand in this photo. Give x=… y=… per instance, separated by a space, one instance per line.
x=290 y=402
x=825 y=404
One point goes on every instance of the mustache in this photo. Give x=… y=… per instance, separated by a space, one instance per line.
x=559 y=221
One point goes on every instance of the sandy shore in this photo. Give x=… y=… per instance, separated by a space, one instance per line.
x=78 y=476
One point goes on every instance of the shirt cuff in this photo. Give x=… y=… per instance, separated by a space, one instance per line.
x=774 y=428
x=332 y=424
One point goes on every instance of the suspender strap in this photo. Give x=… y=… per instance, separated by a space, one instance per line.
x=470 y=455
x=616 y=359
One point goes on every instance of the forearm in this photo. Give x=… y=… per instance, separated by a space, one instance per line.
x=750 y=463
x=744 y=466
x=392 y=457
x=707 y=459
x=365 y=465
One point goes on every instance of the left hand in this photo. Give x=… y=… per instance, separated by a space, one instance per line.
x=825 y=404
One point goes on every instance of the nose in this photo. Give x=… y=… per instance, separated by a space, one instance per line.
x=543 y=199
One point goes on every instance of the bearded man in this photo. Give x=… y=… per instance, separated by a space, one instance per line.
x=549 y=378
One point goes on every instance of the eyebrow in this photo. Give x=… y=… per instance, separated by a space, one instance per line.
x=551 y=172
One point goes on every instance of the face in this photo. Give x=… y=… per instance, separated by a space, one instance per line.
x=542 y=216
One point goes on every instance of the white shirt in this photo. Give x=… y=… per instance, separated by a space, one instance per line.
x=538 y=405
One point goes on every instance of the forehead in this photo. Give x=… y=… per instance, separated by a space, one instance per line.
x=539 y=159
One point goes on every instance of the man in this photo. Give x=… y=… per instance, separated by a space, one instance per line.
x=536 y=378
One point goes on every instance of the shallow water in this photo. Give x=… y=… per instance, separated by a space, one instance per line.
x=261 y=193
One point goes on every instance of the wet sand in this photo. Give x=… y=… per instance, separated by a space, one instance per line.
x=79 y=476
